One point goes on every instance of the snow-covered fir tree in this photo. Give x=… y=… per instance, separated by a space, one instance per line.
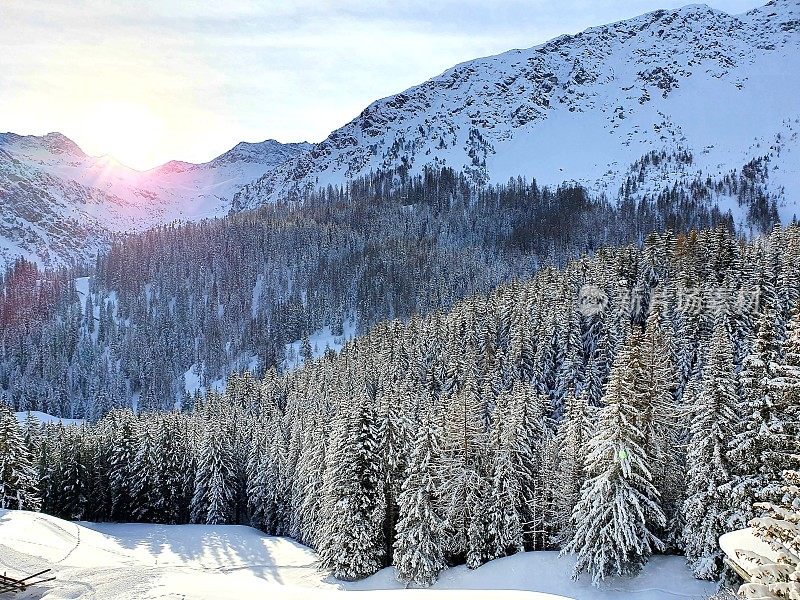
x=421 y=527
x=18 y=478
x=709 y=470
x=618 y=501
x=768 y=433
x=213 y=500
x=573 y=438
x=504 y=531
x=352 y=545
x=661 y=416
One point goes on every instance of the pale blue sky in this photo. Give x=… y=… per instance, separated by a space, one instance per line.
x=152 y=81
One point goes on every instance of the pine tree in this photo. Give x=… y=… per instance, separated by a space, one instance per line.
x=352 y=545
x=145 y=470
x=465 y=445
x=18 y=478
x=618 y=500
x=310 y=473
x=265 y=480
x=766 y=439
x=173 y=470
x=532 y=461
x=573 y=436
x=504 y=526
x=213 y=498
x=709 y=470
x=123 y=453
x=72 y=478
x=661 y=418
x=419 y=550
x=306 y=352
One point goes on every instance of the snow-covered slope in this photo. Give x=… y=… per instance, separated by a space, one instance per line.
x=711 y=90
x=585 y=107
x=44 y=418
x=56 y=202
x=138 y=561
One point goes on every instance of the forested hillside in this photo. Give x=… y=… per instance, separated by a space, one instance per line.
x=174 y=310
x=634 y=402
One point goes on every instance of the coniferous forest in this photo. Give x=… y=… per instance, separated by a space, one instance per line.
x=227 y=295
x=634 y=401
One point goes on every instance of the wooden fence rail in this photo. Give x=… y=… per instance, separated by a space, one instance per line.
x=10 y=584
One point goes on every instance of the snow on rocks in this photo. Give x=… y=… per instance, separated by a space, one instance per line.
x=585 y=107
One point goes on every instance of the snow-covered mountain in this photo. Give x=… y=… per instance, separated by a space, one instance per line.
x=695 y=82
x=702 y=91
x=57 y=203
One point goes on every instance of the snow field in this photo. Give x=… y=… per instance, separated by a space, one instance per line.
x=203 y=562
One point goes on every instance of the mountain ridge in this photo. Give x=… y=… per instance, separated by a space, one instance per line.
x=619 y=90
x=59 y=204
x=705 y=90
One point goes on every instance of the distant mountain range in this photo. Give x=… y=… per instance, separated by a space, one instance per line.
x=58 y=203
x=704 y=92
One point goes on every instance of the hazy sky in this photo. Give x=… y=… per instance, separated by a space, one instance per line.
x=151 y=81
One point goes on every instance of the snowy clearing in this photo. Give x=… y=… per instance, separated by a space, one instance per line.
x=321 y=340
x=138 y=561
x=44 y=418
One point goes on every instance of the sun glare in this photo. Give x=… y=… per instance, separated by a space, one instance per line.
x=128 y=132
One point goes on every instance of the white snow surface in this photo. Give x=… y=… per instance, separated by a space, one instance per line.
x=321 y=340
x=738 y=544
x=45 y=418
x=139 y=561
x=82 y=288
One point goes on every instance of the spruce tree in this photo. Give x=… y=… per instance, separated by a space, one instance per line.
x=213 y=498
x=72 y=478
x=18 y=478
x=533 y=462
x=618 y=501
x=465 y=446
x=145 y=470
x=574 y=433
x=504 y=525
x=172 y=470
x=419 y=548
x=709 y=470
x=767 y=435
x=660 y=416
x=352 y=545
x=123 y=454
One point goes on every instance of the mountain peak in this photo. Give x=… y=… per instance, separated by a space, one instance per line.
x=53 y=143
x=579 y=107
x=270 y=152
x=58 y=143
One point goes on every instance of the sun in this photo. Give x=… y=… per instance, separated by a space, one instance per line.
x=129 y=132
